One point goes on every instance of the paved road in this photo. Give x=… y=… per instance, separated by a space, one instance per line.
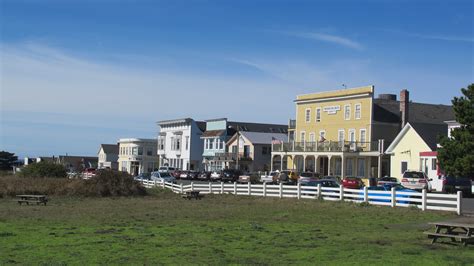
x=467 y=206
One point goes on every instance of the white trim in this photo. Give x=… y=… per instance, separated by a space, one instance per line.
x=344 y=112
x=313 y=139
x=399 y=137
x=322 y=131
x=362 y=95
x=360 y=111
x=306 y=119
x=349 y=134
x=402 y=172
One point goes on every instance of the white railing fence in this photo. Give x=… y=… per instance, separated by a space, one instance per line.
x=393 y=198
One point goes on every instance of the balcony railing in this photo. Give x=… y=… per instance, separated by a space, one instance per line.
x=232 y=156
x=328 y=146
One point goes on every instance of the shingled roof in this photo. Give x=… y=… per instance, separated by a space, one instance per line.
x=110 y=148
x=389 y=111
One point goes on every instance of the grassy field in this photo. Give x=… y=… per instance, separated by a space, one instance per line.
x=165 y=229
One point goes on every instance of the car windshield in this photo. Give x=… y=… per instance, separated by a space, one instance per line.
x=417 y=175
x=306 y=174
x=165 y=175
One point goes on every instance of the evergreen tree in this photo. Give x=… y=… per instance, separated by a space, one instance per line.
x=456 y=155
x=7 y=160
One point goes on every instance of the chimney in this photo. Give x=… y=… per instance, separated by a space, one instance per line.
x=404 y=106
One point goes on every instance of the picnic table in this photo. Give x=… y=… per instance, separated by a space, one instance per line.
x=38 y=199
x=192 y=195
x=463 y=231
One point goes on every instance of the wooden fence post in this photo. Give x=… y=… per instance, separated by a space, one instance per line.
x=181 y=188
x=210 y=188
x=281 y=190
x=298 y=192
x=394 y=197
x=366 y=194
x=192 y=186
x=163 y=183
x=459 y=200
x=264 y=189
x=235 y=188
x=222 y=187
x=341 y=192
x=249 y=188
x=319 y=192
x=423 y=200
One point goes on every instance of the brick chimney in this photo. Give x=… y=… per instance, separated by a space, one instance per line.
x=404 y=106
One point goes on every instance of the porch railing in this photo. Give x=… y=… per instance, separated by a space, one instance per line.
x=329 y=146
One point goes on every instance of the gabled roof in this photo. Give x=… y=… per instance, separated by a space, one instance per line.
x=428 y=133
x=261 y=137
x=110 y=148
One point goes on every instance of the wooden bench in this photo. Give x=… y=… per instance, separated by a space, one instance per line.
x=38 y=199
x=192 y=195
x=463 y=232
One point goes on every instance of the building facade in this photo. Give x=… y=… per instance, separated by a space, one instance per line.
x=180 y=144
x=333 y=134
x=137 y=155
x=216 y=155
x=108 y=156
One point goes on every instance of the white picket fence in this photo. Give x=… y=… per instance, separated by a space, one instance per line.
x=393 y=198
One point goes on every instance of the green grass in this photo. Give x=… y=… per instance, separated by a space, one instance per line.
x=220 y=229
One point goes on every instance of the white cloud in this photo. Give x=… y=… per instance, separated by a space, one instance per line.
x=330 y=38
x=438 y=37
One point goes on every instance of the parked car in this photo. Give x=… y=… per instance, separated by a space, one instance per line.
x=286 y=177
x=88 y=173
x=186 y=175
x=230 y=175
x=249 y=177
x=176 y=173
x=388 y=188
x=204 y=175
x=416 y=180
x=162 y=177
x=142 y=176
x=386 y=180
x=168 y=169
x=332 y=183
x=352 y=182
x=308 y=176
x=452 y=184
x=268 y=177
x=215 y=176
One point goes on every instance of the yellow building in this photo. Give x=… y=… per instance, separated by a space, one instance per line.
x=345 y=132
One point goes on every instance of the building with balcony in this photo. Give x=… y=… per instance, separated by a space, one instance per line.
x=216 y=154
x=180 y=144
x=137 y=156
x=346 y=132
x=108 y=156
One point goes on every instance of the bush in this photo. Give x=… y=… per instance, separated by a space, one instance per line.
x=105 y=184
x=44 y=169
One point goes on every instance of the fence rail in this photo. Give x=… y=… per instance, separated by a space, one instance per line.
x=393 y=198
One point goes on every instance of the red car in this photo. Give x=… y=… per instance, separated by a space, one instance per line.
x=352 y=182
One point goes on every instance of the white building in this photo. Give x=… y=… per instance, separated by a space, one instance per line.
x=452 y=124
x=108 y=156
x=180 y=144
x=137 y=156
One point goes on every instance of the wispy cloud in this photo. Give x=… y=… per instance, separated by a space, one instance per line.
x=438 y=37
x=330 y=38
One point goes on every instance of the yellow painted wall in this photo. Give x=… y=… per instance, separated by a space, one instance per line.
x=332 y=123
x=408 y=149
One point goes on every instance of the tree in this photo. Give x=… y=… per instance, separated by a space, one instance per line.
x=456 y=155
x=7 y=160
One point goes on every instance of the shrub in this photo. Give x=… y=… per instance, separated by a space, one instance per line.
x=44 y=169
x=112 y=183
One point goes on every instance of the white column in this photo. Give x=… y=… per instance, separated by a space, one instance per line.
x=329 y=165
x=343 y=170
x=304 y=163
x=281 y=164
x=394 y=198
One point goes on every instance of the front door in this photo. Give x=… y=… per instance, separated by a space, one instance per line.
x=323 y=166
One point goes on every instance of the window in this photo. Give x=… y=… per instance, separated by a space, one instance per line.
x=135 y=151
x=433 y=164
x=206 y=144
x=347 y=112
x=211 y=144
x=311 y=137
x=318 y=114
x=341 y=135
x=349 y=167
x=161 y=143
x=361 y=167
x=140 y=150
x=187 y=142
x=404 y=166
x=363 y=138
x=178 y=144
x=352 y=137
x=357 y=114
x=149 y=152
x=302 y=136
x=308 y=115
x=222 y=145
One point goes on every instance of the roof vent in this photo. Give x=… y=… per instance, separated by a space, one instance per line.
x=389 y=97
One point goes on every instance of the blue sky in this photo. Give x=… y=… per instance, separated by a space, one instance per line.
x=75 y=74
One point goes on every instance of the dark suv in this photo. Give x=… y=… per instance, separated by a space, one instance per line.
x=230 y=175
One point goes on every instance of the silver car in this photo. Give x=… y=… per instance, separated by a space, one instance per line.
x=162 y=177
x=416 y=180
